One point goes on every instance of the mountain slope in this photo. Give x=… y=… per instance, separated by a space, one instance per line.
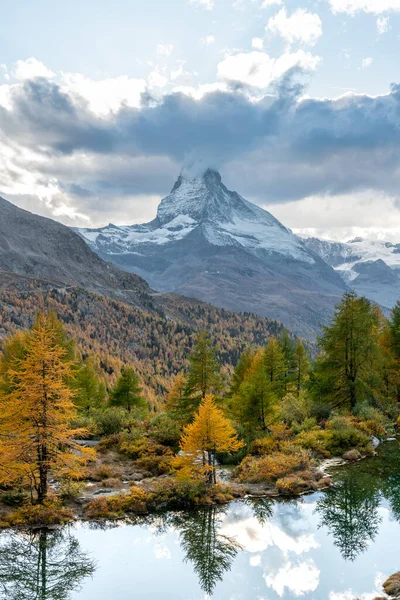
x=212 y=244
x=36 y=247
x=370 y=267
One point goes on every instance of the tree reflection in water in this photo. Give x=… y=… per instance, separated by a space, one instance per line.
x=211 y=553
x=41 y=565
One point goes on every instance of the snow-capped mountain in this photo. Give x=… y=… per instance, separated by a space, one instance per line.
x=203 y=204
x=370 y=267
x=212 y=244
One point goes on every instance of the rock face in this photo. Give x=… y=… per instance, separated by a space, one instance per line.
x=371 y=268
x=212 y=244
x=40 y=248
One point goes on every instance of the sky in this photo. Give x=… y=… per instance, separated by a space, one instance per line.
x=295 y=102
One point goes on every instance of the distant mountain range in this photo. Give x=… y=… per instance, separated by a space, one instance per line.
x=212 y=244
x=370 y=267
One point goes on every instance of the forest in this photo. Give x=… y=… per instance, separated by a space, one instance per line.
x=74 y=443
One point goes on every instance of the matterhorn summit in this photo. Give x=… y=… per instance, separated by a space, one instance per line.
x=210 y=243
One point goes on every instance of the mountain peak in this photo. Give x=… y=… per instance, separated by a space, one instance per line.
x=209 y=176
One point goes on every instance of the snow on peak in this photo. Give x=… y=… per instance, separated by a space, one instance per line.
x=221 y=216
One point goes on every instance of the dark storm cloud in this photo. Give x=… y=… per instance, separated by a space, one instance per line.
x=275 y=149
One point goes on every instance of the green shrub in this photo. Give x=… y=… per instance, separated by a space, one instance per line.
x=295 y=409
x=111 y=420
x=171 y=492
x=165 y=430
x=13 y=498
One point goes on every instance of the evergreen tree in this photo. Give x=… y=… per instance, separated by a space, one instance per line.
x=127 y=391
x=301 y=366
x=348 y=370
x=204 y=375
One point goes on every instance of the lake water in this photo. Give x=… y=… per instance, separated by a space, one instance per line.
x=337 y=545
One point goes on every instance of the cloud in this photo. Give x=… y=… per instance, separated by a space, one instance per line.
x=298 y=578
x=165 y=49
x=207 y=4
x=30 y=68
x=259 y=70
x=267 y=3
x=208 y=40
x=301 y=26
x=367 y=62
x=369 y=6
x=382 y=25
x=61 y=151
x=257 y=43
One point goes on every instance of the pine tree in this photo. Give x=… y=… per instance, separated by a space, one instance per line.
x=127 y=391
x=204 y=375
x=210 y=432
x=36 y=407
x=302 y=366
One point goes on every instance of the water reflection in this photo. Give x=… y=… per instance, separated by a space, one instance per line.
x=350 y=512
x=209 y=551
x=41 y=565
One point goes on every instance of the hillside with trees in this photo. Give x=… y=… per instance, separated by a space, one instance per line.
x=275 y=417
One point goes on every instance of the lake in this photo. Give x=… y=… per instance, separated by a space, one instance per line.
x=335 y=545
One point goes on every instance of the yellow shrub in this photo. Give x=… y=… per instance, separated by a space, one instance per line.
x=51 y=512
x=115 y=507
x=317 y=440
x=270 y=468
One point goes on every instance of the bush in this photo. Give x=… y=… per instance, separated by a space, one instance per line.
x=294 y=409
x=13 y=498
x=148 y=455
x=116 y=507
x=345 y=436
x=292 y=485
x=264 y=446
x=179 y=492
x=70 y=488
x=51 y=512
x=269 y=469
x=317 y=441
x=165 y=430
x=111 y=420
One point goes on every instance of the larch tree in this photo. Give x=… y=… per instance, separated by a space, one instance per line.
x=127 y=391
x=348 y=370
x=90 y=391
x=210 y=432
x=301 y=366
x=36 y=409
x=275 y=366
x=204 y=375
x=176 y=399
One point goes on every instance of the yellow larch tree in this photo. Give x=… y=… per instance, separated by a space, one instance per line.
x=210 y=432
x=36 y=410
